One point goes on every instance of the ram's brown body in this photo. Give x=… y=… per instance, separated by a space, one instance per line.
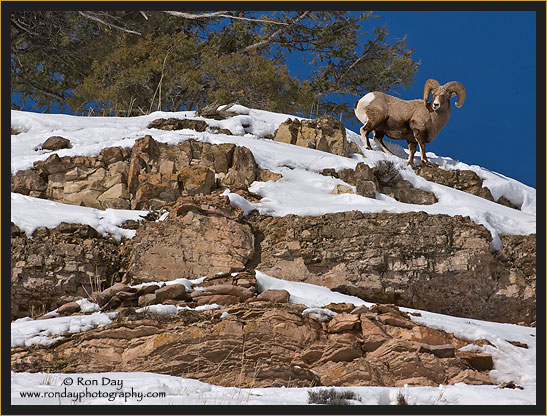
x=416 y=121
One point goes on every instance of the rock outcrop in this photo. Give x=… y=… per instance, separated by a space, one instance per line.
x=435 y=262
x=384 y=178
x=463 y=180
x=264 y=344
x=325 y=133
x=149 y=175
x=58 y=265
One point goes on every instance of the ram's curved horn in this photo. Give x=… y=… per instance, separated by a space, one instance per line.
x=430 y=85
x=456 y=88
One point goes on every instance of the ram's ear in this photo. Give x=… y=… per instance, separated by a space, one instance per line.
x=456 y=88
x=430 y=85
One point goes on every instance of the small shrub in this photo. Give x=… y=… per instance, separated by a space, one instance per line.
x=386 y=172
x=401 y=399
x=331 y=397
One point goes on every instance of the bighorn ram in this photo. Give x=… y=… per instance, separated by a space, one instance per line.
x=416 y=121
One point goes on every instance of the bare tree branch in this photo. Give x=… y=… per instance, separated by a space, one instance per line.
x=195 y=16
x=270 y=38
x=222 y=14
x=97 y=19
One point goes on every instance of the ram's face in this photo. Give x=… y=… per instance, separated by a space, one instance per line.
x=441 y=99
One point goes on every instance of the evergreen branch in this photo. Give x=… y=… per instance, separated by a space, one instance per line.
x=275 y=34
x=38 y=89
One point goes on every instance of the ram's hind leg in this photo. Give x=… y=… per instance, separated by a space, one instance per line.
x=364 y=136
x=378 y=139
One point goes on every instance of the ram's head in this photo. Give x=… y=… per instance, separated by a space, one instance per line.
x=442 y=94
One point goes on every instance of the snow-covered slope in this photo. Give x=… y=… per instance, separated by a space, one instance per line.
x=301 y=191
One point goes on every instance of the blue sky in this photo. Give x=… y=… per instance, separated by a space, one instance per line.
x=493 y=54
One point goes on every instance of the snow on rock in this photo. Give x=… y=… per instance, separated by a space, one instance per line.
x=27 y=331
x=29 y=213
x=159 y=309
x=305 y=293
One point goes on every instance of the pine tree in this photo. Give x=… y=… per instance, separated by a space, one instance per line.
x=136 y=62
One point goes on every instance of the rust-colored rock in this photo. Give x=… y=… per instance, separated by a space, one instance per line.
x=193 y=241
x=258 y=345
x=344 y=322
x=69 y=308
x=476 y=360
x=197 y=180
x=178 y=124
x=175 y=292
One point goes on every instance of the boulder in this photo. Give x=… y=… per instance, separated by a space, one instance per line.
x=195 y=240
x=56 y=143
x=175 y=292
x=243 y=171
x=178 y=124
x=69 y=308
x=147 y=299
x=325 y=133
x=476 y=360
x=344 y=322
x=275 y=296
x=196 y=180
x=342 y=189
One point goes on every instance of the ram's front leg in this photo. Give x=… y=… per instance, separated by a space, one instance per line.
x=419 y=136
x=411 y=152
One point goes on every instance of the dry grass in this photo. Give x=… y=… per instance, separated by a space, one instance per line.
x=401 y=399
x=331 y=397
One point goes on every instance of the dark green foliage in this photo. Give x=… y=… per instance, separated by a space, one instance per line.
x=331 y=397
x=132 y=63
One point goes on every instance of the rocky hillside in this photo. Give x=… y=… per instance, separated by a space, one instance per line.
x=177 y=198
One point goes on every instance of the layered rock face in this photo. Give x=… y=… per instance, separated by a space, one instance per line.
x=435 y=262
x=57 y=265
x=261 y=344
